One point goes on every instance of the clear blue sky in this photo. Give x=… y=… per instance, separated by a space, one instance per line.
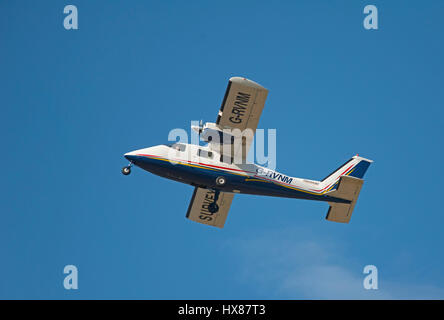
x=73 y=102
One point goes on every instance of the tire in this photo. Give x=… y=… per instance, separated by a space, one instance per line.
x=220 y=181
x=213 y=207
x=126 y=170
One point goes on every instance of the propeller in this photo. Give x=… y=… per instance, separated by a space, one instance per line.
x=200 y=129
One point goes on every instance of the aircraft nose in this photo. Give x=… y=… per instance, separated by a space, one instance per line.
x=131 y=156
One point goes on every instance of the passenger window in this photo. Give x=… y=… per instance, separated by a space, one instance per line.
x=205 y=154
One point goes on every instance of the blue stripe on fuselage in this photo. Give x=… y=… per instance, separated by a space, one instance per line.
x=197 y=175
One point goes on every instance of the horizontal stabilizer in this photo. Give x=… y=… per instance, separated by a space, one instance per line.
x=348 y=189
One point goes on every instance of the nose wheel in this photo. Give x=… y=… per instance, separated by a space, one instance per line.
x=127 y=170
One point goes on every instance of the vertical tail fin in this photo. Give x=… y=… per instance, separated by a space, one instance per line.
x=355 y=167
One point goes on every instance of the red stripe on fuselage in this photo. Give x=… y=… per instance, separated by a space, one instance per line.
x=346 y=170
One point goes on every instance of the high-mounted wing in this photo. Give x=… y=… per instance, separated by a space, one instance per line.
x=242 y=107
x=198 y=210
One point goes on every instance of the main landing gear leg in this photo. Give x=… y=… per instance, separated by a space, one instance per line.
x=213 y=207
x=127 y=170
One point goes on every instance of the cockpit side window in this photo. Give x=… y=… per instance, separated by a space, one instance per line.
x=177 y=146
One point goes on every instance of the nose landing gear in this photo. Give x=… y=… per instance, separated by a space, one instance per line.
x=127 y=170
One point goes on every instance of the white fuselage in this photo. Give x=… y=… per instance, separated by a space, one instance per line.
x=198 y=165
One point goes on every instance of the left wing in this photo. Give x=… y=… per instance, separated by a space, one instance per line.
x=198 y=209
x=242 y=107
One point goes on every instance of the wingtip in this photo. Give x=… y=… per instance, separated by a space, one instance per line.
x=248 y=82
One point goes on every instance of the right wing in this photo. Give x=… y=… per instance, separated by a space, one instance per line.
x=198 y=209
x=242 y=108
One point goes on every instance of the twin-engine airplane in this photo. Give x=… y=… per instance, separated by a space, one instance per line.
x=217 y=177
